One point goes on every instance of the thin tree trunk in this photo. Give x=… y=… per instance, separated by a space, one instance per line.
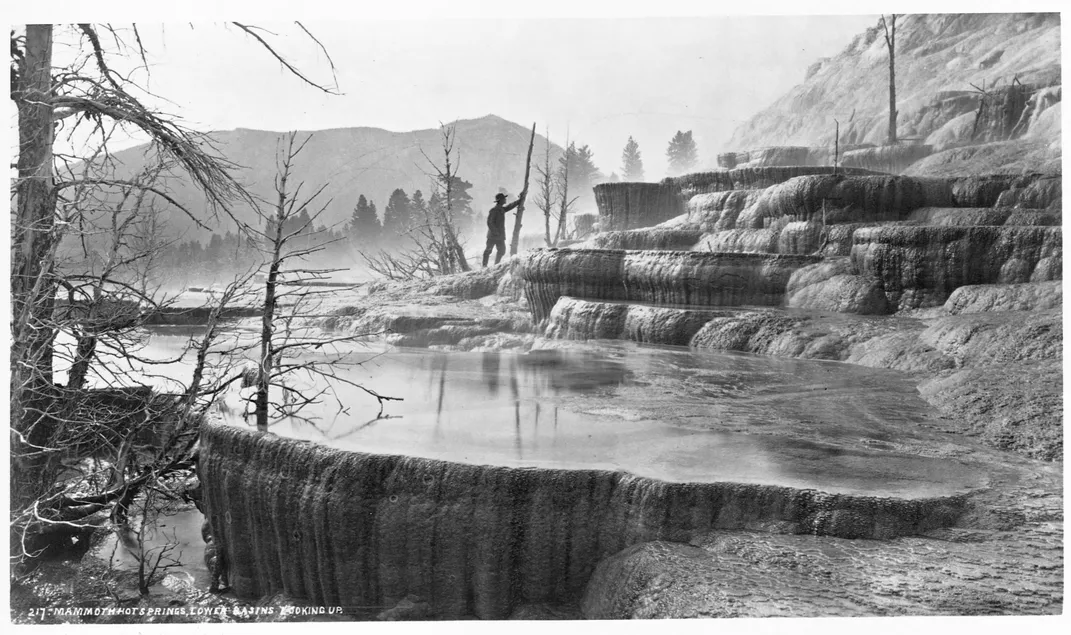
x=520 y=206
x=892 y=95
x=547 y=192
x=836 y=146
x=85 y=350
x=564 y=210
x=890 y=42
x=453 y=245
x=266 y=351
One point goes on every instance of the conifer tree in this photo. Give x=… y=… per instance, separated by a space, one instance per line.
x=397 y=216
x=632 y=163
x=364 y=227
x=681 y=153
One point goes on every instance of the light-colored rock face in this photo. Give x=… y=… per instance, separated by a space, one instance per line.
x=624 y=206
x=574 y=319
x=938 y=58
x=1044 y=193
x=646 y=239
x=974 y=216
x=834 y=286
x=839 y=199
x=718 y=210
x=1030 y=296
x=778 y=156
x=671 y=278
x=922 y=266
x=750 y=178
x=755 y=241
x=892 y=159
x=1025 y=155
x=752 y=575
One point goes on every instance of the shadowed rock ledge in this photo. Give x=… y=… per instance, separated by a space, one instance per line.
x=361 y=530
x=703 y=279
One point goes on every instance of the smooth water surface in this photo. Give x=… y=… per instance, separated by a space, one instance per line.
x=660 y=412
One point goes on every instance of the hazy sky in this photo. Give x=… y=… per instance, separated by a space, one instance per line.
x=599 y=78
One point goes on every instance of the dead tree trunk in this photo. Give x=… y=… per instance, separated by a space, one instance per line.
x=545 y=191
x=33 y=287
x=267 y=352
x=836 y=146
x=566 y=204
x=520 y=206
x=890 y=42
x=452 y=256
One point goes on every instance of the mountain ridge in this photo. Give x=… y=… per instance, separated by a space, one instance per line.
x=490 y=154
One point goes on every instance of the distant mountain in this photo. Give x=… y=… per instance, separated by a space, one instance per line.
x=938 y=58
x=355 y=161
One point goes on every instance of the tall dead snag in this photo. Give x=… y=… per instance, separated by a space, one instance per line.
x=452 y=257
x=565 y=203
x=283 y=345
x=545 y=192
x=836 y=146
x=520 y=206
x=890 y=41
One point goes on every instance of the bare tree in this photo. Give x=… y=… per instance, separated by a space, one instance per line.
x=75 y=453
x=565 y=204
x=890 y=41
x=836 y=145
x=434 y=247
x=110 y=288
x=282 y=342
x=544 y=199
x=153 y=561
x=524 y=191
x=453 y=254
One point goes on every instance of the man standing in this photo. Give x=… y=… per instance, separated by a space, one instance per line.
x=496 y=227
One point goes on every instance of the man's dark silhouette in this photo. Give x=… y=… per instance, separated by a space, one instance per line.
x=496 y=227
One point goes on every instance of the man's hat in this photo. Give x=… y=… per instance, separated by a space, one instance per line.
x=500 y=197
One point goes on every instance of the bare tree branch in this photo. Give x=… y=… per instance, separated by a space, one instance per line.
x=250 y=30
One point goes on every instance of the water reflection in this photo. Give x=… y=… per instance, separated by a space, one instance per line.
x=656 y=411
x=490 y=371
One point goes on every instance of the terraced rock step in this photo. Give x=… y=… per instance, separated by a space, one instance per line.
x=574 y=319
x=631 y=205
x=745 y=178
x=659 y=277
x=646 y=239
x=973 y=216
x=922 y=266
x=343 y=528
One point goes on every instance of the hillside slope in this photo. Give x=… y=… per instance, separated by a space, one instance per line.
x=938 y=57
x=370 y=161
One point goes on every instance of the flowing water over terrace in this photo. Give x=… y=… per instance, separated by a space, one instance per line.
x=659 y=412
